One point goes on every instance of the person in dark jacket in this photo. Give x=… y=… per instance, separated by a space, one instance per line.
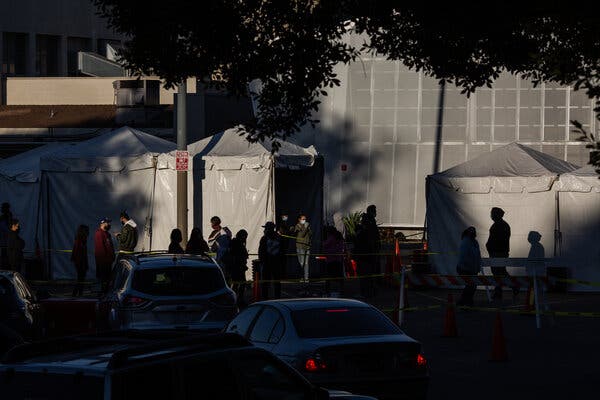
x=104 y=253
x=128 y=237
x=498 y=246
x=238 y=261
x=176 y=239
x=196 y=244
x=469 y=263
x=79 y=257
x=269 y=255
x=15 y=246
x=367 y=246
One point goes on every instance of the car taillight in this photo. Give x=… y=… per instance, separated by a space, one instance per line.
x=421 y=361
x=425 y=246
x=315 y=364
x=134 y=301
x=225 y=299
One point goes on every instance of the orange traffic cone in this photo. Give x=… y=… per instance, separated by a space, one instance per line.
x=450 y=320
x=498 y=341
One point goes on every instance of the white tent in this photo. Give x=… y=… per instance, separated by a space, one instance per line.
x=20 y=186
x=515 y=178
x=579 y=223
x=99 y=178
x=235 y=179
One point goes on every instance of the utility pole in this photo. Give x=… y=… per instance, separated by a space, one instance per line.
x=182 y=207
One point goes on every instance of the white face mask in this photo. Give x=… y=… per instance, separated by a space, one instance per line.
x=302 y=221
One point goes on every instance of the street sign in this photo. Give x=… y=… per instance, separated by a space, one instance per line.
x=181 y=160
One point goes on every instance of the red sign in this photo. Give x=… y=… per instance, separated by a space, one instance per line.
x=181 y=160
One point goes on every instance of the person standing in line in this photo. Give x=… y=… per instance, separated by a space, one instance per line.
x=176 y=239
x=238 y=255
x=498 y=246
x=469 y=263
x=5 y=219
x=79 y=257
x=15 y=246
x=334 y=249
x=219 y=241
x=196 y=244
x=303 y=240
x=128 y=237
x=368 y=243
x=269 y=254
x=104 y=253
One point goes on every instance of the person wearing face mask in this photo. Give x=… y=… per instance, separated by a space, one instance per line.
x=303 y=239
x=104 y=253
x=15 y=246
x=128 y=236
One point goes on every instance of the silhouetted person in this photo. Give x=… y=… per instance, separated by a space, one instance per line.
x=128 y=237
x=498 y=246
x=196 y=244
x=469 y=263
x=238 y=261
x=269 y=254
x=536 y=262
x=104 y=253
x=79 y=257
x=176 y=239
x=5 y=219
x=15 y=246
x=367 y=247
x=334 y=249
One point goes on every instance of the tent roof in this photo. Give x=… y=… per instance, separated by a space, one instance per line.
x=233 y=144
x=511 y=168
x=25 y=167
x=112 y=151
x=584 y=179
x=513 y=159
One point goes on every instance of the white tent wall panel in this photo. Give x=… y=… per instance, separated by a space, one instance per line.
x=450 y=212
x=84 y=198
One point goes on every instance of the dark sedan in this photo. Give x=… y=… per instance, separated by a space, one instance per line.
x=338 y=344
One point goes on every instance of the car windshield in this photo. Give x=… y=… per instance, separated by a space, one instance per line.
x=177 y=281
x=342 y=321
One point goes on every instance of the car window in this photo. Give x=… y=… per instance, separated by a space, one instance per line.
x=265 y=379
x=342 y=321
x=277 y=331
x=178 y=281
x=123 y=279
x=20 y=290
x=116 y=277
x=242 y=322
x=261 y=332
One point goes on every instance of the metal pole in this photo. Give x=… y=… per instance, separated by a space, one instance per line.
x=182 y=208
x=438 y=131
x=401 y=298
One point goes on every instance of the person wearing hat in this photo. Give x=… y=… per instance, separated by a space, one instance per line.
x=128 y=237
x=269 y=255
x=498 y=246
x=104 y=253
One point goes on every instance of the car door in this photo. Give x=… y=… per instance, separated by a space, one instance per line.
x=267 y=330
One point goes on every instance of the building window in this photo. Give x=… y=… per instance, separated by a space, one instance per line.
x=14 y=54
x=47 y=50
x=74 y=46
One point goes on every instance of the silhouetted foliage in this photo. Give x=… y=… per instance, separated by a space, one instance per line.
x=293 y=46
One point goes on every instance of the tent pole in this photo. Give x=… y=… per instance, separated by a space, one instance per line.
x=151 y=216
